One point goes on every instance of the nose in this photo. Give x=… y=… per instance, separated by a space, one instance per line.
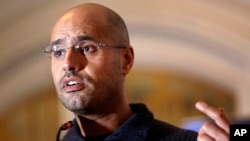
x=73 y=61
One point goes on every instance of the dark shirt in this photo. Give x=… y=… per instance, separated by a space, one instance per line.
x=141 y=126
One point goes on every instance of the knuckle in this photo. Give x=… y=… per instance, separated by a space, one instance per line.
x=207 y=125
x=219 y=113
x=202 y=137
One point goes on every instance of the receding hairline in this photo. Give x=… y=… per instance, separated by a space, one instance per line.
x=114 y=21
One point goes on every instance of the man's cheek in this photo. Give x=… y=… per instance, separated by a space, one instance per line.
x=55 y=76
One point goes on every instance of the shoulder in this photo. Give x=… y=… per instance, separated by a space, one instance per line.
x=162 y=131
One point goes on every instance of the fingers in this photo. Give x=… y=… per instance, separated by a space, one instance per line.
x=211 y=131
x=204 y=137
x=216 y=114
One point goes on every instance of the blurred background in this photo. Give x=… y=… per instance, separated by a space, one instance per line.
x=185 y=50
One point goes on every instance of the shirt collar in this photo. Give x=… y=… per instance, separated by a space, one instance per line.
x=135 y=128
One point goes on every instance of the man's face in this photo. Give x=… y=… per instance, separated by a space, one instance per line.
x=85 y=85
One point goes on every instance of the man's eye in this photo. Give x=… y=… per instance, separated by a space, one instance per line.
x=58 y=53
x=89 y=49
x=86 y=49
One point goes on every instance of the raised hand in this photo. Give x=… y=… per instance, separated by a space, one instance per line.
x=217 y=131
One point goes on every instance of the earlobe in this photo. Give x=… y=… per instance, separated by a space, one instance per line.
x=128 y=60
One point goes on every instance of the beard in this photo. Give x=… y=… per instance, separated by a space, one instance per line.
x=96 y=98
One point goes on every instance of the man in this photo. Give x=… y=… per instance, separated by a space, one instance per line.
x=90 y=57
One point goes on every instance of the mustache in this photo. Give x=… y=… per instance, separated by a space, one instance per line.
x=72 y=73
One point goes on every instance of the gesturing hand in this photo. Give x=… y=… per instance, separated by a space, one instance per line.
x=217 y=131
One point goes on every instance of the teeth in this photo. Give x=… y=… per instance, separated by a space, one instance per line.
x=72 y=83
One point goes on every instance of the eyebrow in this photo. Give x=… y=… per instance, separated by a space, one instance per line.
x=82 y=38
x=77 y=39
x=56 y=42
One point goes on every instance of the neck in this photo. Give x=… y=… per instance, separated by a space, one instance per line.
x=100 y=124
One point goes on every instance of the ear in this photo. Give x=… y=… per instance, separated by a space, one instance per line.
x=127 y=59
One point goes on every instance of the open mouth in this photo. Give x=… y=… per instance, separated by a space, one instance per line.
x=73 y=84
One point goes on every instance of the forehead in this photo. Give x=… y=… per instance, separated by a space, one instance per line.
x=79 y=22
